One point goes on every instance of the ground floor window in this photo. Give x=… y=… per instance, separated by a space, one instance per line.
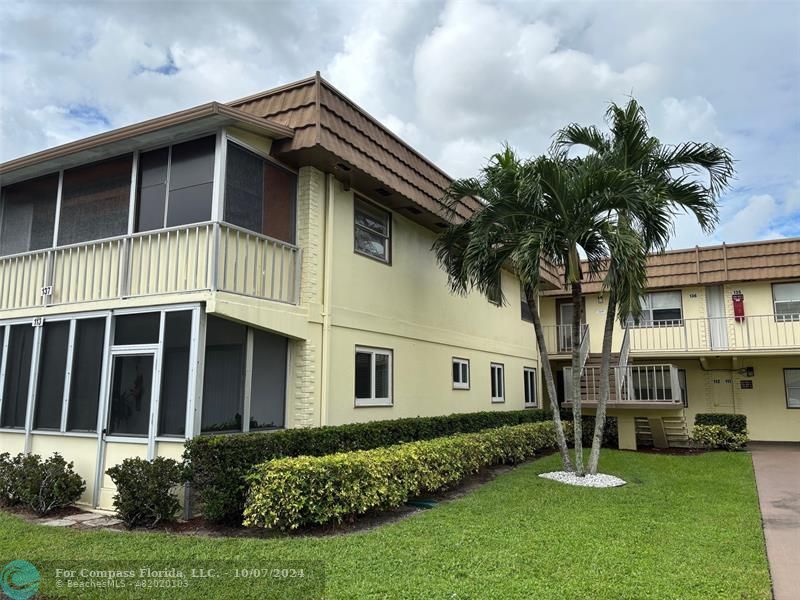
x=529 y=382
x=684 y=387
x=791 y=378
x=498 y=383
x=460 y=374
x=244 y=386
x=373 y=377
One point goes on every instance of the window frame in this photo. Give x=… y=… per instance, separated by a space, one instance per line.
x=460 y=385
x=371 y=206
x=685 y=387
x=786 y=387
x=372 y=401
x=530 y=372
x=650 y=322
x=501 y=368
x=787 y=317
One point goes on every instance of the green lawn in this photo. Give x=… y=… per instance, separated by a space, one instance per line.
x=684 y=527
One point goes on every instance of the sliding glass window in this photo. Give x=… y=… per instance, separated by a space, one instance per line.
x=95 y=200
x=28 y=215
x=175 y=185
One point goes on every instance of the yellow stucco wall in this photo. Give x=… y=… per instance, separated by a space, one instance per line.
x=407 y=307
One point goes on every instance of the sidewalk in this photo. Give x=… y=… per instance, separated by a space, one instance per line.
x=777 y=469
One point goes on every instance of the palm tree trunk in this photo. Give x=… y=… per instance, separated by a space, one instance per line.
x=605 y=384
x=547 y=373
x=577 y=314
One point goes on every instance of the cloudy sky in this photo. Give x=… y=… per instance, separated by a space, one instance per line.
x=455 y=79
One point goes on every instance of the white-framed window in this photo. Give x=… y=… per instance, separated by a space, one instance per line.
x=786 y=299
x=791 y=379
x=372 y=231
x=460 y=373
x=529 y=385
x=498 y=383
x=661 y=309
x=373 y=376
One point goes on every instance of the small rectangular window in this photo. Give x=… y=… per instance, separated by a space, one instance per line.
x=460 y=373
x=18 y=372
x=786 y=299
x=498 y=383
x=139 y=328
x=791 y=379
x=373 y=377
x=529 y=381
x=661 y=309
x=52 y=367
x=373 y=231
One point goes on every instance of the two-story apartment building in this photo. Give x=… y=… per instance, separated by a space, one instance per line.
x=236 y=267
x=719 y=333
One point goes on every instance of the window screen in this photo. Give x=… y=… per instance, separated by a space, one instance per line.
x=191 y=178
x=175 y=373
x=29 y=215
x=140 y=328
x=268 y=389
x=372 y=231
x=223 y=379
x=280 y=201
x=95 y=200
x=786 y=297
x=18 y=371
x=131 y=394
x=52 y=368
x=152 y=194
x=792 y=381
x=87 y=365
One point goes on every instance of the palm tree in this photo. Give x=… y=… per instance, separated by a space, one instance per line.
x=669 y=182
x=543 y=209
x=474 y=252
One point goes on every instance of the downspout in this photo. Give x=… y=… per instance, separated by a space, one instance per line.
x=327 y=276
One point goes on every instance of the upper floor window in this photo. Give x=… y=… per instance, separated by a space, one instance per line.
x=786 y=298
x=259 y=195
x=28 y=213
x=175 y=185
x=373 y=231
x=661 y=309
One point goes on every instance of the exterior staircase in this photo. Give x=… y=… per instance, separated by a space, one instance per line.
x=663 y=432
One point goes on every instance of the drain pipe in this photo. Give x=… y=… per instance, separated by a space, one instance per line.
x=327 y=276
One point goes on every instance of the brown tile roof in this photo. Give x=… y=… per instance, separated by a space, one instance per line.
x=323 y=117
x=728 y=263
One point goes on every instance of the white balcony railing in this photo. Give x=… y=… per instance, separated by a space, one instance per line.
x=630 y=384
x=559 y=337
x=206 y=256
x=753 y=332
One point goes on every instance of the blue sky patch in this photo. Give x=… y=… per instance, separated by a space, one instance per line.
x=85 y=113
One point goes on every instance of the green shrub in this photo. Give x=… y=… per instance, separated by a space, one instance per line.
x=144 y=490
x=289 y=493
x=8 y=479
x=218 y=464
x=734 y=423
x=718 y=436
x=40 y=485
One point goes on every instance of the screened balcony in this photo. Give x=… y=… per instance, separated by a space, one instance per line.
x=205 y=214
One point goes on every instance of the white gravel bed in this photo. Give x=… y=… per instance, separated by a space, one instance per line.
x=596 y=481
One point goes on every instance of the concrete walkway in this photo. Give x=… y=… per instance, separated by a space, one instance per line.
x=777 y=468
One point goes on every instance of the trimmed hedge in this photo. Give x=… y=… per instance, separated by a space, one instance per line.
x=145 y=490
x=218 y=464
x=734 y=423
x=718 y=437
x=610 y=432
x=40 y=485
x=296 y=492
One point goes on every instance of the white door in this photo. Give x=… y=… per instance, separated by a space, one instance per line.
x=717 y=323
